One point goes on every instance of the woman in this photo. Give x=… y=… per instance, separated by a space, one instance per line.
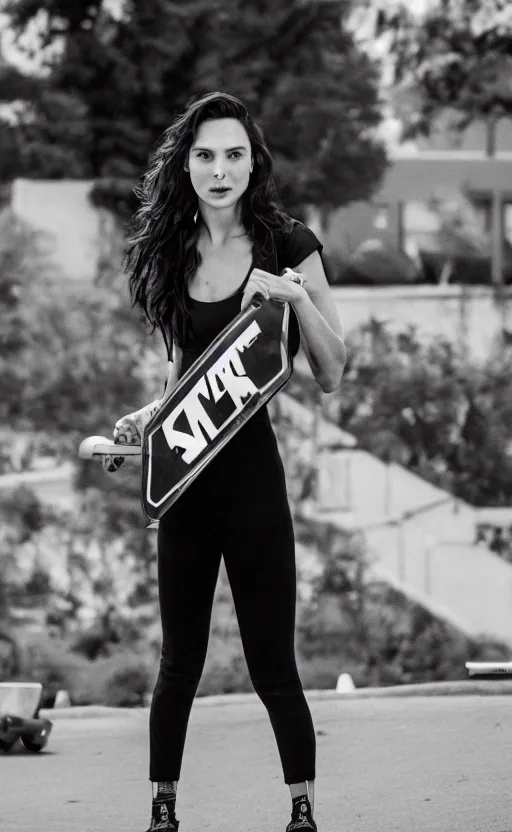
x=207 y=219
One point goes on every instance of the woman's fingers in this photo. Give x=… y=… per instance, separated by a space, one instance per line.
x=126 y=432
x=254 y=286
x=128 y=429
x=271 y=286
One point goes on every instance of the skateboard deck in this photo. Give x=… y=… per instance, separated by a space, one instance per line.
x=239 y=372
x=489 y=669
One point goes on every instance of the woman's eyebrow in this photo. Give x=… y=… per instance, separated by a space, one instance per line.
x=229 y=149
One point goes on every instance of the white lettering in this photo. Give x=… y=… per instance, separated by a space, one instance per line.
x=229 y=371
x=197 y=416
x=226 y=376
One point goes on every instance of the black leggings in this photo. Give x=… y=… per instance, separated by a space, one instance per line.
x=237 y=508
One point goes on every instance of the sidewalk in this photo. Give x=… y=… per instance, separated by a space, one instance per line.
x=437 y=764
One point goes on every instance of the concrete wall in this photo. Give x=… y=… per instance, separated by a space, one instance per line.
x=469 y=315
x=71 y=230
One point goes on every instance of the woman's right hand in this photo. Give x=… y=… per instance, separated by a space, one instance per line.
x=129 y=429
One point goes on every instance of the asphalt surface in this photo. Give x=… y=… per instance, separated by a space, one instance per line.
x=439 y=764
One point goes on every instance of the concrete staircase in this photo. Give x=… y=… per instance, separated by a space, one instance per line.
x=420 y=538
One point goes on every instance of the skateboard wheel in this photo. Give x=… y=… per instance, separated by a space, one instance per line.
x=37 y=739
x=34 y=745
x=9 y=732
x=6 y=746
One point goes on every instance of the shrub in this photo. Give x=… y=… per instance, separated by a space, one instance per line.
x=127 y=681
x=465 y=269
x=378 y=263
x=122 y=679
x=321 y=672
x=225 y=668
x=51 y=663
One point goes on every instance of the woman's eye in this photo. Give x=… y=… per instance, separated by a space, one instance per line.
x=203 y=154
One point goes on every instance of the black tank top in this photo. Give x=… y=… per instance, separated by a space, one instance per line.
x=207 y=319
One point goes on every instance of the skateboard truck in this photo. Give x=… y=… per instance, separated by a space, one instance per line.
x=112 y=454
x=95 y=446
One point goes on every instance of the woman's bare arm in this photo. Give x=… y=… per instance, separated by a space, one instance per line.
x=173 y=372
x=129 y=428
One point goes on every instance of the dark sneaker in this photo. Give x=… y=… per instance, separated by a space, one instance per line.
x=302 y=819
x=163 y=820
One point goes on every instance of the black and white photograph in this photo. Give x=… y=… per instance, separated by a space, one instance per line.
x=255 y=415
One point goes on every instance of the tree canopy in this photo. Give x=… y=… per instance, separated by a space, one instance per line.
x=457 y=57
x=114 y=84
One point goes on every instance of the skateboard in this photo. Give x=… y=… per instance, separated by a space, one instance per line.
x=490 y=670
x=238 y=373
x=33 y=733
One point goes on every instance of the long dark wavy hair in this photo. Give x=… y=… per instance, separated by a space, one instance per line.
x=161 y=254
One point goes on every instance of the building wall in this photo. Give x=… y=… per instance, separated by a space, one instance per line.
x=471 y=316
x=409 y=183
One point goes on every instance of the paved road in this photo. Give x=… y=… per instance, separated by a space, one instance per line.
x=403 y=765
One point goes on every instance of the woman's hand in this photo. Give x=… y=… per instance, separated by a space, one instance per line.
x=129 y=429
x=271 y=286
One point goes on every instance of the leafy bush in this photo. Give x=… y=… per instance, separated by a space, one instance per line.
x=122 y=679
x=378 y=263
x=401 y=643
x=127 y=680
x=419 y=401
x=56 y=668
x=225 y=669
x=321 y=672
x=465 y=269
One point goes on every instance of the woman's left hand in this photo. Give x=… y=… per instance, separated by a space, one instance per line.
x=271 y=286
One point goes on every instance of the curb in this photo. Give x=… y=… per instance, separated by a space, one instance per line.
x=490 y=687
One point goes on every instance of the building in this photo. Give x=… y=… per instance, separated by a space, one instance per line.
x=398 y=212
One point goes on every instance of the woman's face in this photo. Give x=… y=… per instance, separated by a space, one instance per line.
x=220 y=158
